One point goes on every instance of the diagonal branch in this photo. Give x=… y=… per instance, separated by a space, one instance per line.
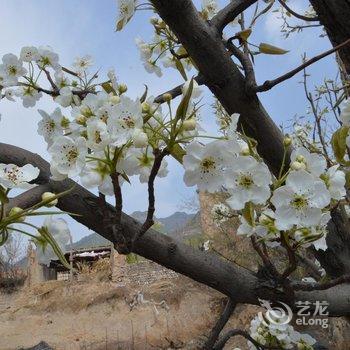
x=269 y=84
x=229 y=13
x=297 y=15
x=236 y=282
x=220 y=324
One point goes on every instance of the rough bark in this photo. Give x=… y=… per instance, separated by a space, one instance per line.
x=334 y=16
x=220 y=74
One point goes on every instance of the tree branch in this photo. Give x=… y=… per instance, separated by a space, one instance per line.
x=236 y=282
x=269 y=84
x=297 y=15
x=229 y=13
x=222 y=76
x=220 y=324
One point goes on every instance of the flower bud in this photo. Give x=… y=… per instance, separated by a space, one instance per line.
x=167 y=97
x=298 y=166
x=145 y=107
x=300 y=159
x=16 y=211
x=140 y=139
x=114 y=99
x=122 y=88
x=287 y=141
x=49 y=196
x=154 y=20
x=189 y=124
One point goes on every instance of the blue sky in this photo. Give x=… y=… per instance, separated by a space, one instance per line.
x=78 y=27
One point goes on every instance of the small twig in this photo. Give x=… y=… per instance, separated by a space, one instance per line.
x=292 y=265
x=246 y=63
x=70 y=72
x=158 y=157
x=177 y=91
x=310 y=286
x=220 y=324
x=297 y=15
x=230 y=13
x=53 y=85
x=265 y=258
x=269 y=84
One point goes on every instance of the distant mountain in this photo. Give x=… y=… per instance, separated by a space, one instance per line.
x=178 y=225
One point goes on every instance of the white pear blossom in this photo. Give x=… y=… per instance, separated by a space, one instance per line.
x=250 y=182
x=13 y=176
x=345 y=113
x=50 y=126
x=68 y=156
x=113 y=78
x=97 y=135
x=83 y=63
x=97 y=174
x=126 y=9
x=9 y=93
x=220 y=213
x=277 y=333
x=65 y=97
x=210 y=7
x=139 y=162
x=29 y=54
x=12 y=69
x=144 y=48
x=335 y=181
x=139 y=138
x=59 y=230
x=48 y=58
x=300 y=201
x=314 y=163
x=61 y=80
x=29 y=95
x=126 y=119
x=204 y=165
x=151 y=67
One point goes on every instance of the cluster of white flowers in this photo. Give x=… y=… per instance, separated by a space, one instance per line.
x=17 y=81
x=220 y=213
x=163 y=50
x=278 y=335
x=298 y=203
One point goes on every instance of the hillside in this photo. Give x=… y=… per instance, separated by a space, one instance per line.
x=178 y=225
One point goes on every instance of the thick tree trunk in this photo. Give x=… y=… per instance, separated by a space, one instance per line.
x=335 y=16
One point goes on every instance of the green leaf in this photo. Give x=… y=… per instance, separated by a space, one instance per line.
x=339 y=144
x=248 y=213
x=108 y=88
x=271 y=50
x=244 y=34
x=144 y=96
x=3 y=197
x=180 y=68
x=183 y=105
x=177 y=152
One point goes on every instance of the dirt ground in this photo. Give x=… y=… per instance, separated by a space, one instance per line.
x=100 y=315
x=168 y=314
